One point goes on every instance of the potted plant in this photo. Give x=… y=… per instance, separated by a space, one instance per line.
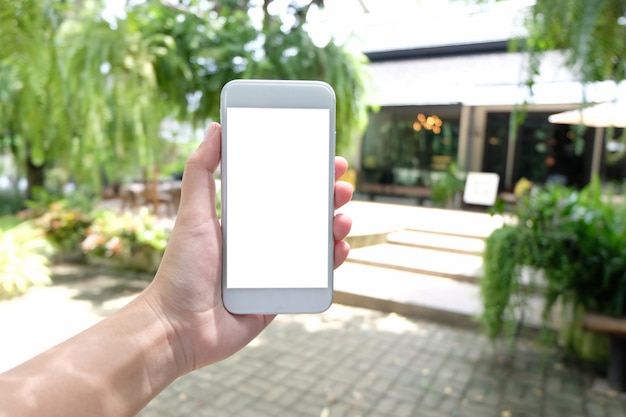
x=446 y=186
x=577 y=240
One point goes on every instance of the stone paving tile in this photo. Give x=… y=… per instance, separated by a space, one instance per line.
x=352 y=362
x=347 y=362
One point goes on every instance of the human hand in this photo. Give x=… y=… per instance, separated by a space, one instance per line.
x=177 y=324
x=186 y=292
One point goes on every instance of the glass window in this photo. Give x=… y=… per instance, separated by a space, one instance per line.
x=614 y=158
x=543 y=151
x=403 y=145
x=496 y=144
x=533 y=148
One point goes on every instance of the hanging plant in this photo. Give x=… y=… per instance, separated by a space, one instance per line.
x=577 y=239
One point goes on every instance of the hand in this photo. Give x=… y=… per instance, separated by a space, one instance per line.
x=176 y=325
x=186 y=292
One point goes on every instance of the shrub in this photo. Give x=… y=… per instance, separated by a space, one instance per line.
x=446 y=186
x=65 y=226
x=576 y=238
x=23 y=260
x=134 y=241
x=11 y=201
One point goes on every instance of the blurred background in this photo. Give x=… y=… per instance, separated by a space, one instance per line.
x=487 y=150
x=97 y=94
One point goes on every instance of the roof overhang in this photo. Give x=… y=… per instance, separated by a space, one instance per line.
x=482 y=79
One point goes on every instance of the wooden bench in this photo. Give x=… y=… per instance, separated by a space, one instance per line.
x=508 y=198
x=373 y=189
x=615 y=328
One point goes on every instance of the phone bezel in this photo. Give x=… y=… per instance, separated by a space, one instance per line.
x=277 y=94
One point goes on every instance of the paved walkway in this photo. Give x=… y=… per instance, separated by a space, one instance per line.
x=353 y=362
x=346 y=362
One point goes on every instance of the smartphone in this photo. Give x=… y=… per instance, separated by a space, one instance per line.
x=277 y=166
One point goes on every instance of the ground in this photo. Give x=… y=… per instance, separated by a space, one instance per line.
x=345 y=362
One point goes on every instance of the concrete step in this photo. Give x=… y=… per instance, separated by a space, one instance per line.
x=457 y=266
x=440 y=241
x=377 y=218
x=429 y=297
x=419 y=262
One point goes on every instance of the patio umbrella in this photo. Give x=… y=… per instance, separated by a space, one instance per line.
x=597 y=115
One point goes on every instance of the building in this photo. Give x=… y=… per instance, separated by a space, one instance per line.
x=450 y=92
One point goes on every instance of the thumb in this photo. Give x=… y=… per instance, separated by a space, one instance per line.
x=198 y=185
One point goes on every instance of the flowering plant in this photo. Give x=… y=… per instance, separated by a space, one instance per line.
x=64 y=226
x=135 y=240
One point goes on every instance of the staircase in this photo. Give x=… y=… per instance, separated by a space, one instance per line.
x=416 y=261
x=425 y=253
x=418 y=273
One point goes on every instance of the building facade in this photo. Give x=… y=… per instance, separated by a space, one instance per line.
x=464 y=101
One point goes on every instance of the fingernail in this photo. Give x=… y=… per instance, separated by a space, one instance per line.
x=210 y=131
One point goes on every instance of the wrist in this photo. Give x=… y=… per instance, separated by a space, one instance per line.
x=111 y=369
x=170 y=341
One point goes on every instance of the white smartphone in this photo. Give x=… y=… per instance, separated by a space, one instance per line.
x=278 y=147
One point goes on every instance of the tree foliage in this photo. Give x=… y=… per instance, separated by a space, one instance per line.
x=88 y=94
x=32 y=97
x=79 y=94
x=591 y=33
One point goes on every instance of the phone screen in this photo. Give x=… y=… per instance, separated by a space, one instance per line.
x=277 y=204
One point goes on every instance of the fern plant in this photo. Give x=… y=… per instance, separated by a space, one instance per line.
x=576 y=238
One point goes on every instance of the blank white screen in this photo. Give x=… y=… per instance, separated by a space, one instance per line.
x=277 y=197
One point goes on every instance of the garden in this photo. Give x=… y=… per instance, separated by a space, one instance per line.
x=122 y=96
x=62 y=231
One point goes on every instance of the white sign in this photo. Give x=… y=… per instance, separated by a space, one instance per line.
x=481 y=188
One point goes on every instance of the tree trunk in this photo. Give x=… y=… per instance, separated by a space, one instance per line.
x=155 y=187
x=35 y=174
